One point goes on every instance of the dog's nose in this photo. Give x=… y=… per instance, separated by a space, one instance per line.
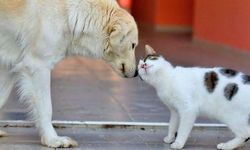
x=136 y=73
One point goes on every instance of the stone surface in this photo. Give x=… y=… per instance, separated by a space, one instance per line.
x=114 y=139
x=89 y=90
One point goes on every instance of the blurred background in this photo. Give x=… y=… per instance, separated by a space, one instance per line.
x=204 y=33
x=223 y=22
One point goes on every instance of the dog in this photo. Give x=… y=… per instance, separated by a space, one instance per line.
x=37 y=34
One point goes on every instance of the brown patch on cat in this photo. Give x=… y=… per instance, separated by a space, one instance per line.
x=230 y=91
x=211 y=80
x=228 y=72
x=246 y=79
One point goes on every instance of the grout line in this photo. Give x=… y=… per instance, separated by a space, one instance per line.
x=124 y=108
x=102 y=124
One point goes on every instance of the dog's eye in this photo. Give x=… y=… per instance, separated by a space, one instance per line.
x=133 y=45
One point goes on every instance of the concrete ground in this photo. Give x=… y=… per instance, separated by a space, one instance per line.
x=88 y=90
x=116 y=139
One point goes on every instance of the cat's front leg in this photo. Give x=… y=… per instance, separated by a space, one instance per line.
x=187 y=119
x=173 y=126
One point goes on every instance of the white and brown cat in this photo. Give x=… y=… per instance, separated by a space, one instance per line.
x=220 y=93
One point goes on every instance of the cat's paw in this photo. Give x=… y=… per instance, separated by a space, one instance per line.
x=169 y=140
x=176 y=145
x=59 y=142
x=3 y=134
x=223 y=146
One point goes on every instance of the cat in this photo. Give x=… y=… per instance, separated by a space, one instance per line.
x=223 y=94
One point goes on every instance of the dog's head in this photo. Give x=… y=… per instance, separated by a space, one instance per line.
x=122 y=41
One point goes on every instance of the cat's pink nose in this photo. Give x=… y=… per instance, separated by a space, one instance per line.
x=143 y=65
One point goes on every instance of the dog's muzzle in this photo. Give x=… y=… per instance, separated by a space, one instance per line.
x=135 y=75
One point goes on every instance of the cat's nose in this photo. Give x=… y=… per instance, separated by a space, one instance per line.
x=143 y=65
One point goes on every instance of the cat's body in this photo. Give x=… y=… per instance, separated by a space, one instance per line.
x=219 y=93
x=189 y=87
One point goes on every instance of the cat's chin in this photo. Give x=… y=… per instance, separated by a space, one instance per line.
x=141 y=77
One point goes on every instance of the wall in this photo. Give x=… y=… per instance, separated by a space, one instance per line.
x=125 y=4
x=224 y=22
x=174 y=12
x=144 y=11
x=163 y=12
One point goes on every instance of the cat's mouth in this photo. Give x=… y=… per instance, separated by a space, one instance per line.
x=145 y=67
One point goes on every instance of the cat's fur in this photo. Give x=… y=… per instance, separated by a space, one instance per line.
x=220 y=93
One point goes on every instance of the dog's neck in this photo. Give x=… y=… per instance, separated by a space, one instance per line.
x=88 y=26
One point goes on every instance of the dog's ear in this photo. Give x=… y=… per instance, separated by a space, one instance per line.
x=116 y=36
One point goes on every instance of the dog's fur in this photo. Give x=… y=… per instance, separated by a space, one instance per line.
x=36 y=34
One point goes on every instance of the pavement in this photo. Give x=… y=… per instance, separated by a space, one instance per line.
x=116 y=139
x=88 y=90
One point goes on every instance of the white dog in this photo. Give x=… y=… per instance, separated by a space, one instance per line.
x=36 y=34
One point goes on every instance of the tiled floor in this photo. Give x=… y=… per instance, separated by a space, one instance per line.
x=116 y=139
x=88 y=90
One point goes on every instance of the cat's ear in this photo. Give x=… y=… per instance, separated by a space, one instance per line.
x=149 y=50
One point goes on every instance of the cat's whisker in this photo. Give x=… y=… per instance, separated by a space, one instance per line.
x=150 y=66
x=141 y=78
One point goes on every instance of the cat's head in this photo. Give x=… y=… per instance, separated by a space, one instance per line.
x=151 y=65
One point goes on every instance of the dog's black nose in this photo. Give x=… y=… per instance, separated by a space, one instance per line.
x=136 y=73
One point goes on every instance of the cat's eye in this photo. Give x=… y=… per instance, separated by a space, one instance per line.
x=153 y=58
x=133 y=45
